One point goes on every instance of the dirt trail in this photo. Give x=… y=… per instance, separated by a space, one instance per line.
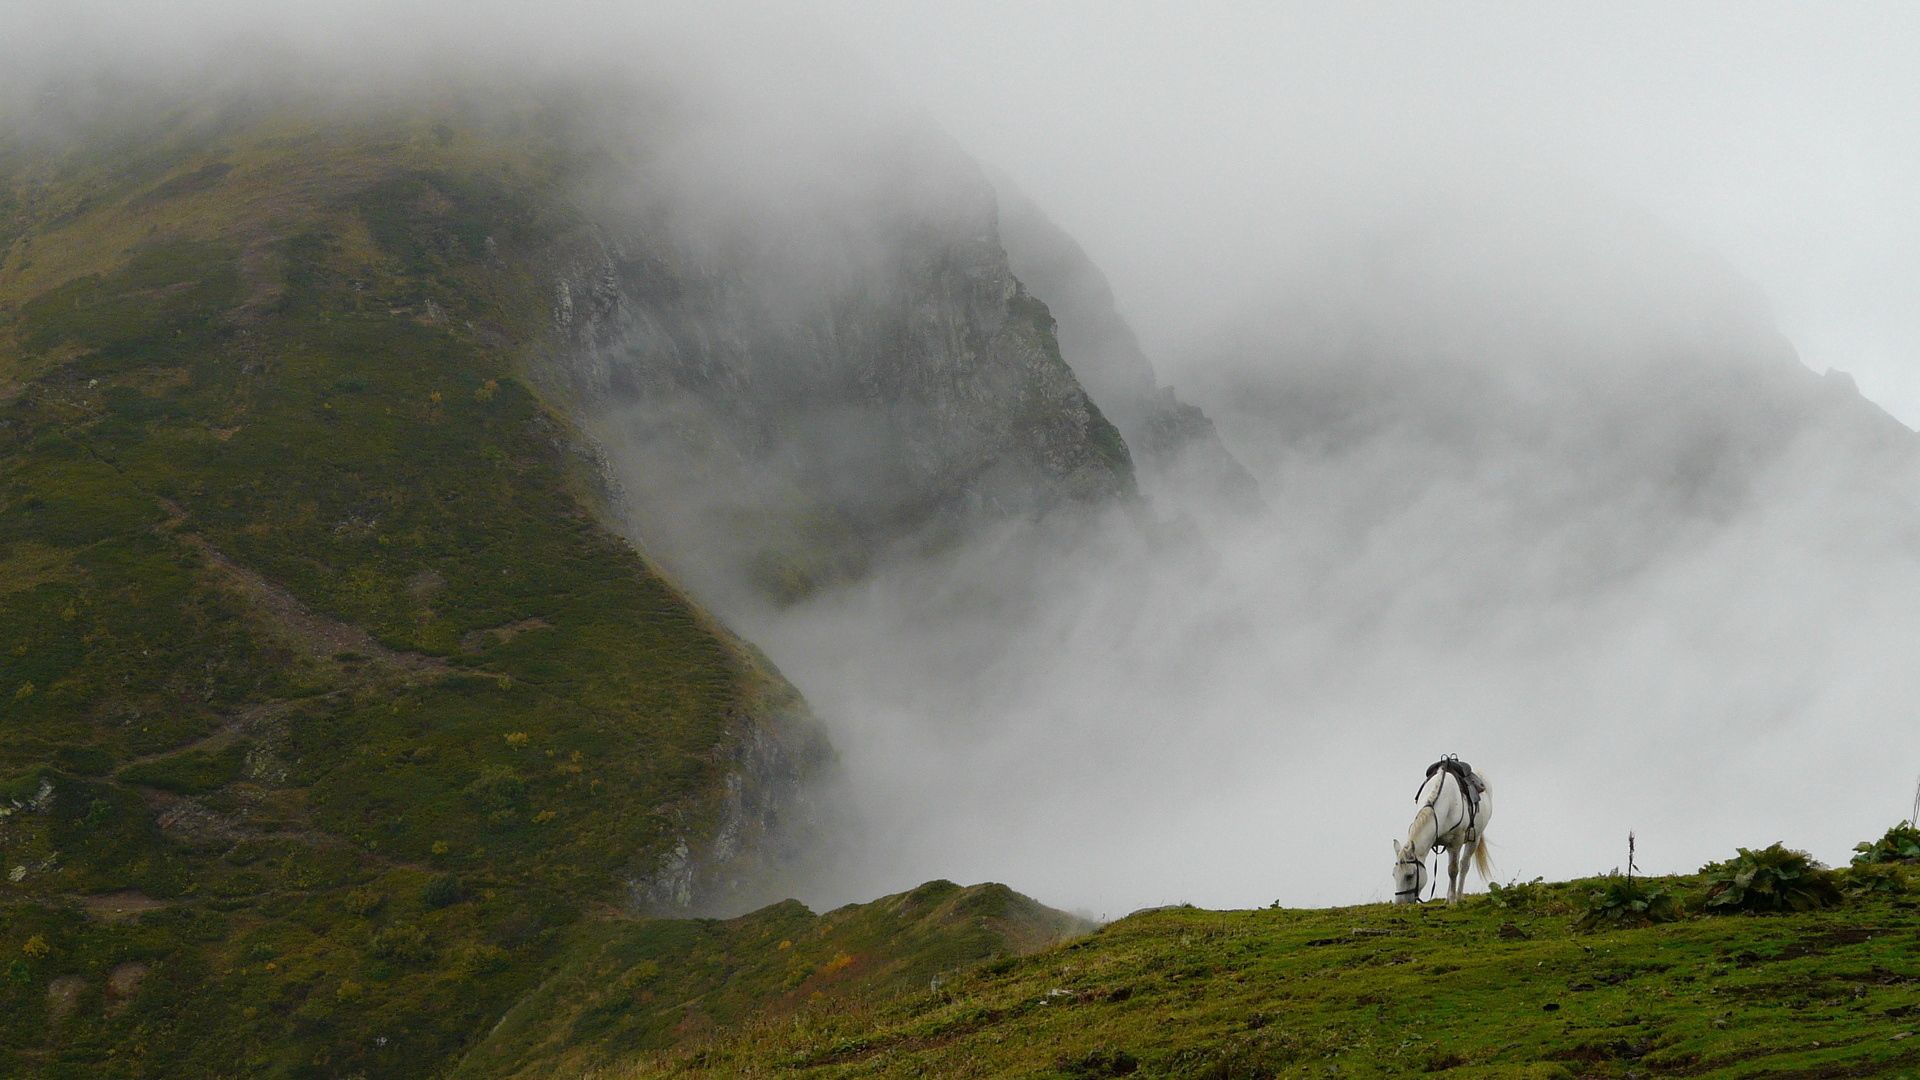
x=195 y=822
x=119 y=906
x=320 y=636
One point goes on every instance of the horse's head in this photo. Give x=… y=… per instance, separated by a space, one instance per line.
x=1409 y=874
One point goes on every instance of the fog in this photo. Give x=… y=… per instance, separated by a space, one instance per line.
x=1513 y=313
x=1654 y=577
x=1503 y=311
x=1204 y=153
x=1502 y=307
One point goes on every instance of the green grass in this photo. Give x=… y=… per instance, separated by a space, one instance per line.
x=1476 y=990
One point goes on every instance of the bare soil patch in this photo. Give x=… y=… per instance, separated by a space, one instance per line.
x=120 y=906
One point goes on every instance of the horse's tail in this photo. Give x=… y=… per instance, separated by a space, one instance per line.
x=1481 y=860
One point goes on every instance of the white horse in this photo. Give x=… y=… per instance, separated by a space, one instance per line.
x=1447 y=818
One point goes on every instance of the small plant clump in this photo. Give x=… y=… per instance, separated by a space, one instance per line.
x=1901 y=844
x=1624 y=901
x=1100 y=1063
x=1774 y=878
x=403 y=944
x=1518 y=896
x=442 y=891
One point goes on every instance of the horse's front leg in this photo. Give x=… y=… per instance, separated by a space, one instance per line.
x=1453 y=874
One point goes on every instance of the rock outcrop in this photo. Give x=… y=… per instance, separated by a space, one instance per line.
x=800 y=388
x=1179 y=453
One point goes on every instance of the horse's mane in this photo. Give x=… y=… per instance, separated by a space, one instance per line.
x=1425 y=812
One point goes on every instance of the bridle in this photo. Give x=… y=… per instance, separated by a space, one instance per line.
x=1418 y=868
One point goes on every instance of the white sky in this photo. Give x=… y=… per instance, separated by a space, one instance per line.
x=1184 y=143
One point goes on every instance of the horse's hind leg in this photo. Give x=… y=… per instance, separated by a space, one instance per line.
x=1453 y=874
x=1466 y=867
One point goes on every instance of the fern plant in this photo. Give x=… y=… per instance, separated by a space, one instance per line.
x=1774 y=878
x=1901 y=844
x=1623 y=901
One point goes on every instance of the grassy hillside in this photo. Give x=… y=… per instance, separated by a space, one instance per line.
x=1500 y=986
x=653 y=984
x=327 y=708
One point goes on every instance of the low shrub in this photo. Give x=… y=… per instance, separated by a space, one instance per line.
x=1623 y=901
x=1774 y=878
x=1100 y=1063
x=497 y=789
x=1878 y=879
x=1901 y=844
x=442 y=891
x=403 y=943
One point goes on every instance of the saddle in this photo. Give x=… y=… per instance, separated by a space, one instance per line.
x=1463 y=775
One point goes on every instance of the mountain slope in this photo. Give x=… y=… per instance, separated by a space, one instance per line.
x=338 y=700
x=327 y=700
x=662 y=983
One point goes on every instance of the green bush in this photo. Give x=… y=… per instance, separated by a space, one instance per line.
x=1774 y=878
x=1877 y=879
x=442 y=891
x=1901 y=844
x=1622 y=901
x=497 y=789
x=403 y=943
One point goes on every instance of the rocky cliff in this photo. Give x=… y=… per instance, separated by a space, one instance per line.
x=1182 y=460
x=789 y=388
